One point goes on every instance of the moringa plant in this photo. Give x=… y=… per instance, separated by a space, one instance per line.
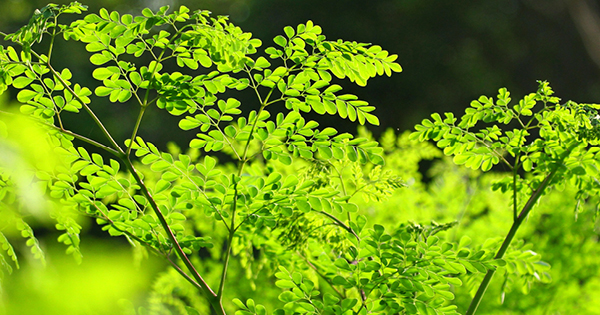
x=545 y=145
x=263 y=190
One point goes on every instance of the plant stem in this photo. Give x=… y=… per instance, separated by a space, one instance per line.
x=87 y=109
x=515 y=227
x=229 y=242
x=70 y=133
x=136 y=128
x=205 y=288
x=340 y=224
x=515 y=194
x=50 y=48
x=311 y=265
x=157 y=252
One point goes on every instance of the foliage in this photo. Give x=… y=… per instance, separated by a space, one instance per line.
x=267 y=193
x=553 y=146
x=554 y=232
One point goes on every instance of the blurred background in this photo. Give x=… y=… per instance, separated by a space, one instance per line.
x=451 y=52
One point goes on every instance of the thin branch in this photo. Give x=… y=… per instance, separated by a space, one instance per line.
x=52 y=36
x=87 y=140
x=341 y=178
x=145 y=102
x=216 y=125
x=340 y=223
x=321 y=275
x=229 y=241
x=247 y=146
x=166 y=226
x=253 y=83
x=515 y=227
x=70 y=133
x=156 y=251
x=138 y=122
x=273 y=202
x=87 y=109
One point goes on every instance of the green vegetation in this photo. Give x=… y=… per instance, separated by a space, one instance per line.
x=264 y=205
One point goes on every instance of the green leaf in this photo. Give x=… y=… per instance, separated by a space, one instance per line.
x=325 y=152
x=285 y=159
x=261 y=63
x=461 y=159
x=279 y=71
x=160 y=166
x=124 y=96
x=289 y=31
x=239 y=303
x=205 y=61
x=372 y=119
x=177 y=216
x=189 y=123
x=26 y=95
x=161 y=186
x=102 y=74
x=135 y=78
x=303 y=206
x=287 y=296
x=147 y=13
x=99 y=59
x=21 y=82
x=285 y=284
x=209 y=162
x=465 y=240
x=290 y=181
x=280 y=40
x=27 y=109
x=350 y=207
x=377 y=159
x=103 y=91
x=97 y=159
x=190 y=63
x=395 y=67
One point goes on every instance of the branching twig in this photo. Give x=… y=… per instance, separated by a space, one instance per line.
x=515 y=227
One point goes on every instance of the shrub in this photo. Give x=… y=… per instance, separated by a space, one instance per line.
x=266 y=193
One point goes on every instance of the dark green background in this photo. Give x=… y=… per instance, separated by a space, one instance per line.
x=451 y=51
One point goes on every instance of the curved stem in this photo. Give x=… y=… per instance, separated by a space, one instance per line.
x=247 y=146
x=144 y=104
x=204 y=287
x=229 y=242
x=88 y=141
x=87 y=109
x=340 y=223
x=320 y=274
x=156 y=251
x=72 y=134
x=515 y=195
x=515 y=227
x=135 y=129
x=50 y=48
